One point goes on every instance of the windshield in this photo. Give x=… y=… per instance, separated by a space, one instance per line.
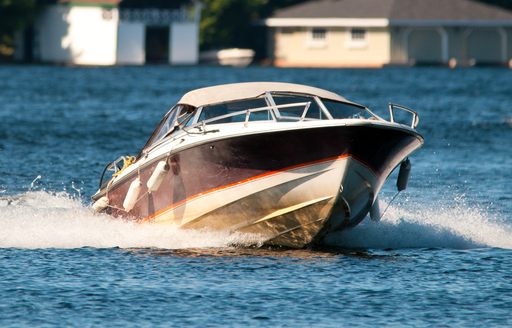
x=314 y=111
x=176 y=118
x=212 y=111
x=289 y=107
x=340 y=110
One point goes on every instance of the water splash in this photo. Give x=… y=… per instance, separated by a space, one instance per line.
x=39 y=219
x=457 y=226
x=43 y=220
x=33 y=183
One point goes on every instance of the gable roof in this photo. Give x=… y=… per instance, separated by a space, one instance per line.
x=396 y=11
x=91 y=2
x=338 y=9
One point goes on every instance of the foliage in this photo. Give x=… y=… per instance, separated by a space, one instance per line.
x=14 y=15
x=152 y=3
x=234 y=23
x=503 y=3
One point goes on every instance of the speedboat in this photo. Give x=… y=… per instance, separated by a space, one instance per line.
x=228 y=57
x=285 y=162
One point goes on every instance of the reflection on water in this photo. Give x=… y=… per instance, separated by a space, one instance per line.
x=264 y=251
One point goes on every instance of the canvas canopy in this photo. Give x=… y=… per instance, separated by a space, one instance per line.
x=238 y=91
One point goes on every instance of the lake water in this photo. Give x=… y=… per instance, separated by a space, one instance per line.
x=441 y=256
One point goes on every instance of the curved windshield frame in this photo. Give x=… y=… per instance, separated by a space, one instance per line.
x=178 y=117
x=257 y=109
x=342 y=110
x=293 y=107
x=281 y=107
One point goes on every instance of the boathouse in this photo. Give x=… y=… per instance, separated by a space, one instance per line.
x=375 y=33
x=110 y=32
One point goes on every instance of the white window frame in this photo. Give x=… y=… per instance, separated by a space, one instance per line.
x=357 y=42
x=315 y=42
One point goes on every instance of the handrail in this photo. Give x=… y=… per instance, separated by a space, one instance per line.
x=305 y=112
x=415 y=118
x=115 y=167
x=240 y=112
x=248 y=112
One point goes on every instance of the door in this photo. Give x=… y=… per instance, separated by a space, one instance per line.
x=157 y=44
x=425 y=47
x=484 y=47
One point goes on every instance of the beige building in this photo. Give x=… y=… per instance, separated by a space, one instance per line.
x=375 y=33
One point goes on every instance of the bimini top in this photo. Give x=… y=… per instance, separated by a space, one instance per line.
x=238 y=91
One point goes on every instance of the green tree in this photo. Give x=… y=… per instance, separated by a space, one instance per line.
x=14 y=15
x=235 y=23
x=503 y=3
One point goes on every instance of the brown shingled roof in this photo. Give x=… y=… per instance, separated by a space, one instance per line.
x=397 y=10
x=338 y=9
x=92 y=2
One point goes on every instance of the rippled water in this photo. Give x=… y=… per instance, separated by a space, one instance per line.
x=441 y=256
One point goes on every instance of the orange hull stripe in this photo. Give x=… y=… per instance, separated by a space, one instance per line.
x=256 y=177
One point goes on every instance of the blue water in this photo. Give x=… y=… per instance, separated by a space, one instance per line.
x=441 y=256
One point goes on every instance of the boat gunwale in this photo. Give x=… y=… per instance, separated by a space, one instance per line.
x=139 y=166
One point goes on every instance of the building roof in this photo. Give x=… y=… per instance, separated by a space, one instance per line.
x=396 y=11
x=140 y=4
x=91 y=2
x=238 y=91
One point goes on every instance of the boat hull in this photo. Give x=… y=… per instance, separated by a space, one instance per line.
x=288 y=187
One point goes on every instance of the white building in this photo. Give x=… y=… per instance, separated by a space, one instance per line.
x=103 y=32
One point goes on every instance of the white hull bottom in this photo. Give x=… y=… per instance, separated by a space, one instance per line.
x=289 y=208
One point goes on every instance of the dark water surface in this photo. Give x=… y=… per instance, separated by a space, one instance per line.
x=441 y=256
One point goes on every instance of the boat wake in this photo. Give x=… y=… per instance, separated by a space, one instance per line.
x=457 y=227
x=44 y=220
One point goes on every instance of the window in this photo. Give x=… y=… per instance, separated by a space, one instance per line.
x=314 y=111
x=318 y=34
x=177 y=117
x=212 y=111
x=317 y=38
x=185 y=117
x=357 y=38
x=358 y=35
x=341 y=110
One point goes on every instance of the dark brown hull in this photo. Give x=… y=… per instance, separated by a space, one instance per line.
x=225 y=164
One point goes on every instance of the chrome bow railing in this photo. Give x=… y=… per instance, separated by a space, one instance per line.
x=414 y=120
